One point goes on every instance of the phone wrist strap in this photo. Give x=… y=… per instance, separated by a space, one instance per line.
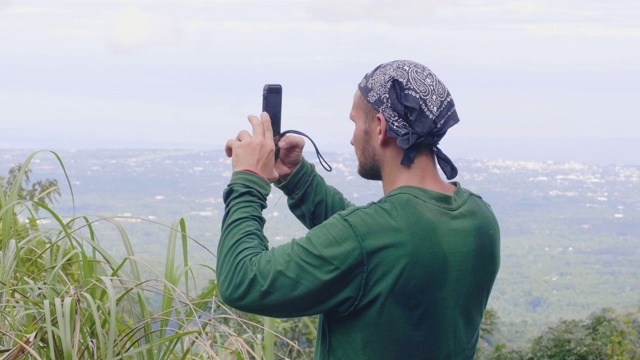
x=321 y=159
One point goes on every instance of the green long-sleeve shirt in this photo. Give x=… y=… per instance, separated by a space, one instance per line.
x=406 y=277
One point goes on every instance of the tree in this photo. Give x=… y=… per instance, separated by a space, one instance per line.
x=488 y=348
x=20 y=201
x=45 y=191
x=19 y=181
x=604 y=335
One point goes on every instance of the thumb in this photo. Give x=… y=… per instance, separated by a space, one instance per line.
x=273 y=176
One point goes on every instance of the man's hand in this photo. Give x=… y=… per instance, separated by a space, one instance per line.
x=255 y=152
x=290 y=156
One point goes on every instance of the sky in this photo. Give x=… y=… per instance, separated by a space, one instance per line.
x=528 y=77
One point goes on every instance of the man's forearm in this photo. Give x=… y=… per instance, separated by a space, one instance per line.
x=242 y=234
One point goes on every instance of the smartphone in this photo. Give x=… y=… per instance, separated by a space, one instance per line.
x=272 y=105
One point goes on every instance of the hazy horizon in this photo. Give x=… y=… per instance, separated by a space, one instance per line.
x=618 y=151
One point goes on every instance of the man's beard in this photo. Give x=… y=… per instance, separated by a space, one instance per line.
x=368 y=163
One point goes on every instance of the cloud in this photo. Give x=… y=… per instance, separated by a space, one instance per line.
x=374 y=10
x=5 y=4
x=309 y=26
x=582 y=30
x=35 y=10
x=235 y=2
x=134 y=30
x=78 y=33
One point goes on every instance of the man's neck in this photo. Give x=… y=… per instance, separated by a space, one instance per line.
x=422 y=173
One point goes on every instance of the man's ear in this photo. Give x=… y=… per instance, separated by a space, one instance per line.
x=381 y=127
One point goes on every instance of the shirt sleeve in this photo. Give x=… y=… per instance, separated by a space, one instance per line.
x=320 y=272
x=309 y=197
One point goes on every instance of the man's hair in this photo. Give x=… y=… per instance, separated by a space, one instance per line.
x=369 y=112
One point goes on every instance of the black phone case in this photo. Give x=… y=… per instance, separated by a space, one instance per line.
x=272 y=105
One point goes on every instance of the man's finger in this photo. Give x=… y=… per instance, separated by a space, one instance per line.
x=243 y=135
x=228 y=148
x=266 y=123
x=291 y=141
x=256 y=125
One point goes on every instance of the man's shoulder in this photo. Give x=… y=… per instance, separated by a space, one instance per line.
x=375 y=212
x=409 y=199
x=360 y=210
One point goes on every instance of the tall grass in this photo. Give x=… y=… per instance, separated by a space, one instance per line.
x=63 y=296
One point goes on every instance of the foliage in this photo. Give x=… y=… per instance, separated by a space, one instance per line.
x=25 y=195
x=63 y=296
x=603 y=335
x=296 y=335
x=45 y=191
x=488 y=328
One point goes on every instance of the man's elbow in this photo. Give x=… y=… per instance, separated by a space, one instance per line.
x=228 y=295
x=237 y=301
x=236 y=287
x=233 y=293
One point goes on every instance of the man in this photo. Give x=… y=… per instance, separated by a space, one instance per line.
x=406 y=277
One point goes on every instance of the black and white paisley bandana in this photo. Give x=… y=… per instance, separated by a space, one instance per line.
x=417 y=106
